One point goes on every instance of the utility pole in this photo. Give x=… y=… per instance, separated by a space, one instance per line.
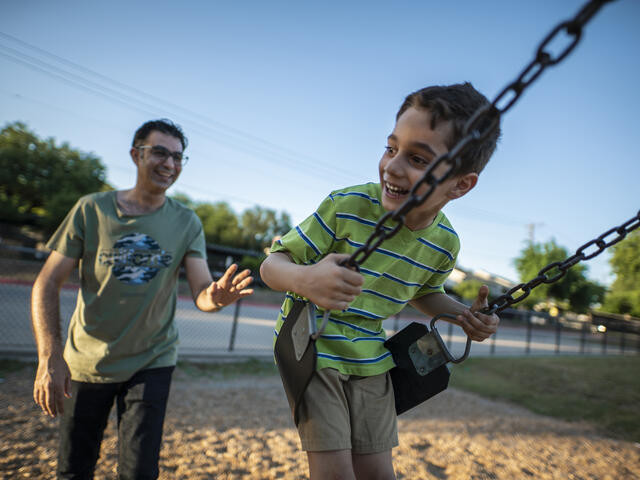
x=532 y=231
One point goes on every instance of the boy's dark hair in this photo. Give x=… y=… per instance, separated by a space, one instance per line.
x=163 y=125
x=456 y=104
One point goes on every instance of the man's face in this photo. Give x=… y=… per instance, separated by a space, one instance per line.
x=411 y=148
x=157 y=172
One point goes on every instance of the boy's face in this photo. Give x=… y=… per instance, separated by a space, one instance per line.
x=411 y=148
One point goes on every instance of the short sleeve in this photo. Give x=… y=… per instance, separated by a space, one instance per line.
x=197 y=247
x=312 y=239
x=68 y=239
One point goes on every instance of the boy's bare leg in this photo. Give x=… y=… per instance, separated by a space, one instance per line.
x=374 y=466
x=331 y=465
x=342 y=465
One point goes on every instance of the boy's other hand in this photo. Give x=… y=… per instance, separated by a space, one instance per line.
x=330 y=285
x=479 y=326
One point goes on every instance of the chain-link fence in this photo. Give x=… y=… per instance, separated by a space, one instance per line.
x=246 y=328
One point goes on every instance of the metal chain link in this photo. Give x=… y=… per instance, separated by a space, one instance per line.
x=479 y=126
x=557 y=270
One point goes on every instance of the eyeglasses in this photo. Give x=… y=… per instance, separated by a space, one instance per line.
x=161 y=154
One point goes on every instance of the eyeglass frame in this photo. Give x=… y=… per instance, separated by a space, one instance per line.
x=168 y=153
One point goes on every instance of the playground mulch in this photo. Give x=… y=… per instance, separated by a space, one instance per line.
x=240 y=428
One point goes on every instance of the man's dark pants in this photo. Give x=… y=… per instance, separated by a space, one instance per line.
x=141 y=404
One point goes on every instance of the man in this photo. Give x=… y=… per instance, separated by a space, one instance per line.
x=122 y=344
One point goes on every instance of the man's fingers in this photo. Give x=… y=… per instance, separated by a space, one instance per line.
x=244 y=283
x=59 y=401
x=241 y=276
x=67 y=387
x=49 y=402
x=38 y=396
x=228 y=273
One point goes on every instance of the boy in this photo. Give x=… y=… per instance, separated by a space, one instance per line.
x=347 y=420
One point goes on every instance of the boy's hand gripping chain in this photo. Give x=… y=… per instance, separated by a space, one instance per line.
x=420 y=354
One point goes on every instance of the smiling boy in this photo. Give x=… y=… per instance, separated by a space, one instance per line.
x=347 y=421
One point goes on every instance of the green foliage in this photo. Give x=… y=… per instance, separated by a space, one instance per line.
x=40 y=181
x=8 y=365
x=252 y=263
x=219 y=222
x=624 y=295
x=184 y=199
x=468 y=289
x=260 y=225
x=234 y=369
x=254 y=229
x=573 y=289
x=600 y=390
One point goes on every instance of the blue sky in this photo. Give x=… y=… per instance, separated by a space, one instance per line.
x=285 y=101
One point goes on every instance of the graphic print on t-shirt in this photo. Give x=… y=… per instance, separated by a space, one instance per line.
x=135 y=258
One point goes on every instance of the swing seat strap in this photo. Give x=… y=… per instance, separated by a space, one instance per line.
x=296 y=355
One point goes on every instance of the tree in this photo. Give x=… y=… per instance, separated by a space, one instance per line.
x=184 y=199
x=468 y=289
x=220 y=223
x=624 y=295
x=254 y=229
x=40 y=181
x=260 y=225
x=573 y=289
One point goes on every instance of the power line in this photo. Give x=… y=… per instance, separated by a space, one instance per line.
x=229 y=136
x=181 y=186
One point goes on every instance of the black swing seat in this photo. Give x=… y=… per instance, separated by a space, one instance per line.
x=420 y=356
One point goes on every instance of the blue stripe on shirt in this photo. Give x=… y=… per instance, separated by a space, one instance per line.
x=324 y=225
x=364 y=313
x=373 y=273
x=448 y=229
x=386 y=297
x=357 y=194
x=307 y=240
x=353 y=340
x=354 y=327
x=354 y=360
x=436 y=247
x=411 y=261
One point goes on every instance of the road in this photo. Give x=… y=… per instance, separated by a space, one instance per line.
x=203 y=334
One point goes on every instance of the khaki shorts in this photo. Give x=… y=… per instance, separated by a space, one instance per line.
x=348 y=412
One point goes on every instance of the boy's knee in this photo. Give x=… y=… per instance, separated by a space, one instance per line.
x=376 y=466
x=333 y=465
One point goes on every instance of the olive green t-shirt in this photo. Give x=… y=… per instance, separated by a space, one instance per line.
x=129 y=265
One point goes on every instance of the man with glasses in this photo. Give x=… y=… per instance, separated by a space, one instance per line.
x=122 y=341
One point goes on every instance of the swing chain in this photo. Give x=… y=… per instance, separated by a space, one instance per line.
x=481 y=124
x=559 y=269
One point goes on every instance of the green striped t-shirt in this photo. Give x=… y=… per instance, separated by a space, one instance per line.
x=407 y=266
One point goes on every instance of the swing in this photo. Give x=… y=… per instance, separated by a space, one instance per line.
x=419 y=353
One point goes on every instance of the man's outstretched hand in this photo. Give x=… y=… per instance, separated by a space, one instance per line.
x=229 y=287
